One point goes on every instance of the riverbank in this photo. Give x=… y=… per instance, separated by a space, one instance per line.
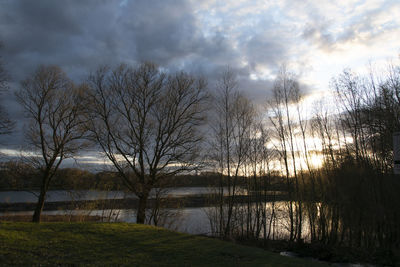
x=50 y=244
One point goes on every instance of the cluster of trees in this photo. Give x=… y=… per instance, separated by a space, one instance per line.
x=144 y=120
x=336 y=160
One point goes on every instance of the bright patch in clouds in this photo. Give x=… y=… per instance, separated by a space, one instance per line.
x=316 y=38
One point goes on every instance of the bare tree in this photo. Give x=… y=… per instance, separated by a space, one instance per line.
x=146 y=123
x=285 y=96
x=234 y=116
x=52 y=105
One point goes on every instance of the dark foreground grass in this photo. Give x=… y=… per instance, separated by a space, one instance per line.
x=124 y=244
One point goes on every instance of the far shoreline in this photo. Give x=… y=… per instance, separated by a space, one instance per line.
x=193 y=201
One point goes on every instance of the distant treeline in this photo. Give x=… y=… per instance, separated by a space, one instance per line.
x=20 y=176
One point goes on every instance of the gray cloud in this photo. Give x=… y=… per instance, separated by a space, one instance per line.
x=319 y=35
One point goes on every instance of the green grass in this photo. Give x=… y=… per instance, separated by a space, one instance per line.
x=124 y=244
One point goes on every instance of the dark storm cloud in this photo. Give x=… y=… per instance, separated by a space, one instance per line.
x=36 y=32
x=265 y=51
x=160 y=31
x=80 y=35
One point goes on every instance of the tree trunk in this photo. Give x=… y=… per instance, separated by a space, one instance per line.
x=141 y=211
x=40 y=204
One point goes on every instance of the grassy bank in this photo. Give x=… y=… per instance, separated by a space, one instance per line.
x=124 y=244
x=51 y=218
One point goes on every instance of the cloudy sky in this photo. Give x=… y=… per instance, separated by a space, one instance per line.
x=316 y=39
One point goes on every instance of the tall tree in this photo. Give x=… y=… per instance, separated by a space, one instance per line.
x=285 y=95
x=52 y=105
x=234 y=116
x=146 y=123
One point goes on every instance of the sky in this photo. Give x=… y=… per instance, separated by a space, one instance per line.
x=315 y=39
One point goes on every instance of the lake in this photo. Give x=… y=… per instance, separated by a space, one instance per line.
x=188 y=220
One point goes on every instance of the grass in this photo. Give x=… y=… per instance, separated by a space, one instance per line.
x=124 y=244
x=51 y=218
